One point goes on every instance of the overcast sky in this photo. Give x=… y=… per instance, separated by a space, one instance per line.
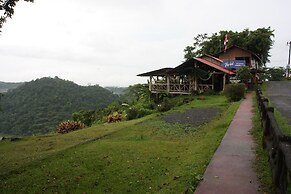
x=109 y=42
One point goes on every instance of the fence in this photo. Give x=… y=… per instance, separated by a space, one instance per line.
x=277 y=145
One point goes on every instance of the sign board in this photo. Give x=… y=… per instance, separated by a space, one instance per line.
x=234 y=64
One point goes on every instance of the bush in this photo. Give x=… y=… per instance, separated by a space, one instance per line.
x=68 y=126
x=135 y=113
x=235 y=92
x=165 y=105
x=85 y=116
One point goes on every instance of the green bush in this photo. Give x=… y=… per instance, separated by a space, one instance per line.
x=165 y=105
x=134 y=113
x=85 y=116
x=235 y=92
x=68 y=126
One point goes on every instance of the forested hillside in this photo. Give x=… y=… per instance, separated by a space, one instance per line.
x=38 y=106
x=5 y=86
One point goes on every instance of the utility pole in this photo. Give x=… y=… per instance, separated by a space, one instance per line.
x=289 y=53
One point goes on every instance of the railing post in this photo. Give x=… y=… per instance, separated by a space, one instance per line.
x=277 y=145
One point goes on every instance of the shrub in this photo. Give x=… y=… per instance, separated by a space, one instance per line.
x=135 y=113
x=165 y=105
x=68 y=126
x=85 y=116
x=235 y=92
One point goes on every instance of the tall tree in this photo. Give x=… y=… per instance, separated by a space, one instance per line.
x=259 y=41
x=7 y=7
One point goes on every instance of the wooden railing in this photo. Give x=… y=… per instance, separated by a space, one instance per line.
x=178 y=88
x=277 y=145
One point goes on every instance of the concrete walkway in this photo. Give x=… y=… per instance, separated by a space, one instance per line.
x=231 y=168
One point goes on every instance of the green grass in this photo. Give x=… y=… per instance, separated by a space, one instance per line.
x=262 y=164
x=141 y=156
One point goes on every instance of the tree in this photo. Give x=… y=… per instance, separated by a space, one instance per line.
x=195 y=50
x=275 y=74
x=244 y=74
x=8 y=7
x=258 y=41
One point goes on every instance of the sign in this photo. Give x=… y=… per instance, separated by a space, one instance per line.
x=234 y=64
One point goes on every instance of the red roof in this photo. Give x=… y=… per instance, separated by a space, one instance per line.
x=215 y=58
x=214 y=66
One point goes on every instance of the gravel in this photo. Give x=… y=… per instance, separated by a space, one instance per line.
x=194 y=117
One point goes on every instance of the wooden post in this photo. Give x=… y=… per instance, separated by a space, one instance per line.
x=150 y=84
x=213 y=80
x=168 y=83
x=224 y=81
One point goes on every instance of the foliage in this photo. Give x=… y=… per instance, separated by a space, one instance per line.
x=275 y=74
x=138 y=156
x=85 y=116
x=69 y=126
x=165 y=105
x=135 y=113
x=195 y=50
x=258 y=41
x=139 y=95
x=114 y=117
x=235 y=92
x=5 y=86
x=244 y=74
x=38 y=106
x=8 y=7
x=116 y=90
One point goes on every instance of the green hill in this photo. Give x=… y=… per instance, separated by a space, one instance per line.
x=5 y=86
x=146 y=155
x=116 y=90
x=38 y=106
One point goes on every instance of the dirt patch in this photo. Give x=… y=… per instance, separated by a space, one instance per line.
x=194 y=117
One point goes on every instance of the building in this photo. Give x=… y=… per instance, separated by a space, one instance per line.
x=195 y=75
x=236 y=57
x=203 y=73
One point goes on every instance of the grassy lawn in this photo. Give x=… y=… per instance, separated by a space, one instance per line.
x=146 y=155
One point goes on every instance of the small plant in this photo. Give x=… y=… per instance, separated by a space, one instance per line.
x=114 y=117
x=235 y=92
x=68 y=126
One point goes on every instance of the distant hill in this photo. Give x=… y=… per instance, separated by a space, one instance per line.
x=5 y=86
x=38 y=106
x=116 y=90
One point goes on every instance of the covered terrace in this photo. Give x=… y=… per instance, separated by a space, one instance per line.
x=194 y=75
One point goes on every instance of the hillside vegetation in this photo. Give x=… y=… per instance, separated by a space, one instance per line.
x=145 y=155
x=5 y=86
x=38 y=106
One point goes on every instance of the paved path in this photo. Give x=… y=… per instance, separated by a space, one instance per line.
x=280 y=95
x=231 y=168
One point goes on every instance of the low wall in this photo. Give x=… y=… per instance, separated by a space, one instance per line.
x=277 y=145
